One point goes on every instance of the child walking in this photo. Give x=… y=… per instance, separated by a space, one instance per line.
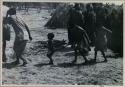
x=101 y=41
x=20 y=42
x=50 y=47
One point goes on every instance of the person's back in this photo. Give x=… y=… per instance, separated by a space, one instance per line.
x=90 y=25
x=100 y=17
x=101 y=39
x=77 y=18
x=90 y=18
x=18 y=26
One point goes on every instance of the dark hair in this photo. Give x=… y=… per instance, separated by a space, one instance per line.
x=50 y=35
x=11 y=11
x=89 y=7
x=77 y=6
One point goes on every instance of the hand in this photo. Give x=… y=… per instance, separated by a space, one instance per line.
x=30 y=37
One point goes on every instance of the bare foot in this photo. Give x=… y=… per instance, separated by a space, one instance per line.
x=24 y=63
x=105 y=60
x=74 y=61
x=51 y=63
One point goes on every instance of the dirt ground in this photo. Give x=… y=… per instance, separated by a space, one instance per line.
x=38 y=72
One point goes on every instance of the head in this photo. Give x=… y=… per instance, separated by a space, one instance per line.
x=77 y=6
x=114 y=12
x=50 y=35
x=11 y=11
x=89 y=7
x=71 y=4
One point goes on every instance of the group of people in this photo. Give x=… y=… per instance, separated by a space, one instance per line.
x=92 y=28
x=84 y=30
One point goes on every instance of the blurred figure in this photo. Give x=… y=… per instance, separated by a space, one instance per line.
x=100 y=16
x=6 y=37
x=50 y=46
x=90 y=23
x=80 y=42
x=75 y=18
x=107 y=24
x=20 y=42
x=117 y=31
x=101 y=40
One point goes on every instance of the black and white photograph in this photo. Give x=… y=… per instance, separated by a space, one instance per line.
x=62 y=43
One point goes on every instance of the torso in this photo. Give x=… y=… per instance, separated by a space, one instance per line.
x=18 y=27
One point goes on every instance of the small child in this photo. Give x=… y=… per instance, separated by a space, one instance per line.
x=50 y=46
x=101 y=41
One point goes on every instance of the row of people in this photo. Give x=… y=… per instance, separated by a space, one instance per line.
x=76 y=19
x=93 y=24
x=85 y=30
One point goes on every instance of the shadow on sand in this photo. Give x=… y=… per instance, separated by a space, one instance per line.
x=90 y=62
x=66 y=65
x=9 y=65
x=41 y=64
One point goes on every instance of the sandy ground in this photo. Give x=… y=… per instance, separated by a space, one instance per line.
x=38 y=72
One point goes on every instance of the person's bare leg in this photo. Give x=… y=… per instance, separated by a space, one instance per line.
x=51 y=61
x=75 y=56
x=50 y=57
x=95 y=56
x=104 y=56
x=86 y=61
x=17 y=53
x=15 y=48
x=23 y=45
x=17 y=59
x=24 y=61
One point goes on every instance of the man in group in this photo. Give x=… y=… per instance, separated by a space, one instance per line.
x=75 y=18
x=77 y=36
x=90 y=23
x=18 y=25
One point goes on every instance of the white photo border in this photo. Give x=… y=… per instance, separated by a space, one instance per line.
x=81 y=1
